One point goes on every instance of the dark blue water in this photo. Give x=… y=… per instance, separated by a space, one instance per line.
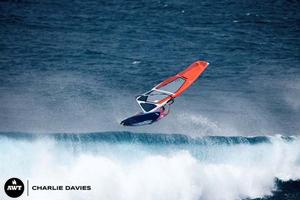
x=143 y=138
x=76 y=66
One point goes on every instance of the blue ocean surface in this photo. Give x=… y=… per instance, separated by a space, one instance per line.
x=70 y=71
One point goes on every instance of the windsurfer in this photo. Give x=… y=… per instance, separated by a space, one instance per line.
x=163 y=111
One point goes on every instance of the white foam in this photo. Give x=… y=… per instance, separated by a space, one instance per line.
x=226 y=172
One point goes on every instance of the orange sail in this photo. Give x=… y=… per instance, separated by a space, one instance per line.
x=171 y=87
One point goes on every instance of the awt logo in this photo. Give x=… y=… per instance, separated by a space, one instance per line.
x=14 y=187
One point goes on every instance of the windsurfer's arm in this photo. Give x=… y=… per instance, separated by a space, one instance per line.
x=171 y=101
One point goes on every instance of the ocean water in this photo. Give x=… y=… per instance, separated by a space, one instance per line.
x=125 y=165
x=69 y=72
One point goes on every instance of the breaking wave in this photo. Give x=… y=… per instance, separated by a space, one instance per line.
x=125 y=165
